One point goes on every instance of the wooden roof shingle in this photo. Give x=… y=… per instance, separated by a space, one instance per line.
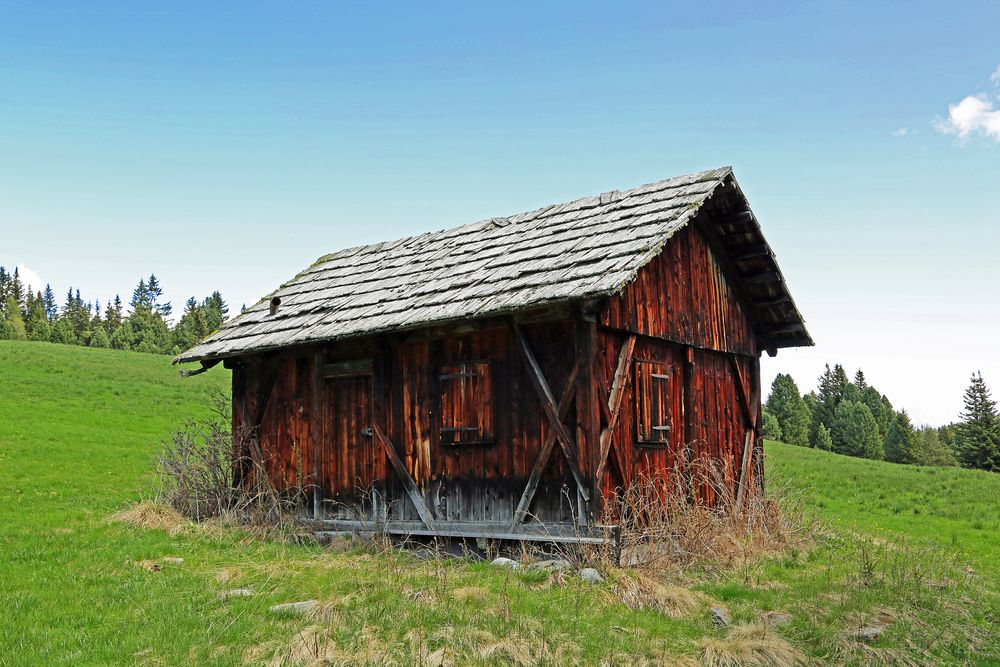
x=586 y=248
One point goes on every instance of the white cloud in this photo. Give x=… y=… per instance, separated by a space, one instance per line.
x=30 y=279
x=995 y=77
x=902 y=132
x=973 y=115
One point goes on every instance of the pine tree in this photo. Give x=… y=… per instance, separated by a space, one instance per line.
x=786 y=404
x=901 y=442
x=977 y=439
x=855 y=432
x=832 y=384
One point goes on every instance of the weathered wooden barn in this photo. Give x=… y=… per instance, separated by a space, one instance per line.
x=503 y=378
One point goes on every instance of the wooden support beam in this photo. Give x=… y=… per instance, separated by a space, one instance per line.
x=615 y=404
x=750 y=400
x=588 y=413
x=687 y=406
x=404 y=476
x=768 y=276
x=791 y=327
x=205 y=365
x=316 y=433
x=751 y=252
x=528 y=495
x=346 y=369
x=550 y=408
x=777 y=301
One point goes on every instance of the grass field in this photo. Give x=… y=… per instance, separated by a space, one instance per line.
x=78 y=431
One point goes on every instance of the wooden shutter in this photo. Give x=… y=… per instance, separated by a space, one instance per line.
x=466 y=403
x=652 y=402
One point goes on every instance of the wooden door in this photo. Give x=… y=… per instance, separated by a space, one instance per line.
x=348 y=460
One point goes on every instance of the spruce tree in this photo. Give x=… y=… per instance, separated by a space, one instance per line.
x=49 y=301
x=37 y=322
x=99 y=338
x=824 y=440
x=855 y=432
x=859 y=380
x=977 y=439
x=786 y=404
x=901 y=442
x=931 y=451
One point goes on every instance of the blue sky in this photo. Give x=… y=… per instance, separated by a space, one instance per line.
x=227 y=146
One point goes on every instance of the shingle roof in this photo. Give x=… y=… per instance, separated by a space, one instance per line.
x=585 y=248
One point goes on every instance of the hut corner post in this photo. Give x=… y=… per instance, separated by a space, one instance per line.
x=588 y=425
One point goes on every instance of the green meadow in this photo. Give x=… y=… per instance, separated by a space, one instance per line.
x=911 y=550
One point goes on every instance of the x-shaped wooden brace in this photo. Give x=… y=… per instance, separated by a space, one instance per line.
x=558 y=433
x=612 y=411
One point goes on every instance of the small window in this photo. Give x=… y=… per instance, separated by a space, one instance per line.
x=652 y=402
x=466 y=403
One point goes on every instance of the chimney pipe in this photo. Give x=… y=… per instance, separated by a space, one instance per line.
x=275 y=302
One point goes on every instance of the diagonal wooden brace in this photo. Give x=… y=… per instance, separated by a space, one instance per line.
x=404 y=477
x=614 y=407
x=551 y=410
x=749 y=402
x=565 y=401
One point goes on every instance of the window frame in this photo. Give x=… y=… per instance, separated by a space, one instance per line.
x=660 y=372
x=463 y=434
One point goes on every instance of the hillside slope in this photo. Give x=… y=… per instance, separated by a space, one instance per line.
x=953 y=508
x=79 y=429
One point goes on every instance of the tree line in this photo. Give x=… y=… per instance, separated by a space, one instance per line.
x=850 y=416
x=144 y=326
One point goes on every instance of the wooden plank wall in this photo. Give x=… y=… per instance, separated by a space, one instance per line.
x=683 y=295
x=715 y=429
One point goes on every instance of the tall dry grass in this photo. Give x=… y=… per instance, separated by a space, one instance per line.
x=683 y=519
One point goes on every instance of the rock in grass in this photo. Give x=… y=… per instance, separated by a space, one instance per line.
x=775 y=617
x=553 y=565
x=236 y=593
x=298 y=608
x=869 y=633
x=720 y=617
x=591 y=576
x=507 y=563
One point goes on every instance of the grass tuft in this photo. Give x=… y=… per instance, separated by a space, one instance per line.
x=751 y=646
x=151 y=514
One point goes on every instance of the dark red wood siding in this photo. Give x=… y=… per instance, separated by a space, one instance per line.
x=683 y=295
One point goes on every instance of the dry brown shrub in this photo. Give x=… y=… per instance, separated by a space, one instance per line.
x=206 y=473
x=751 y=646
x=663 y=527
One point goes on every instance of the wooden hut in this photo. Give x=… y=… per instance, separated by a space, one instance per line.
x=503 y=378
